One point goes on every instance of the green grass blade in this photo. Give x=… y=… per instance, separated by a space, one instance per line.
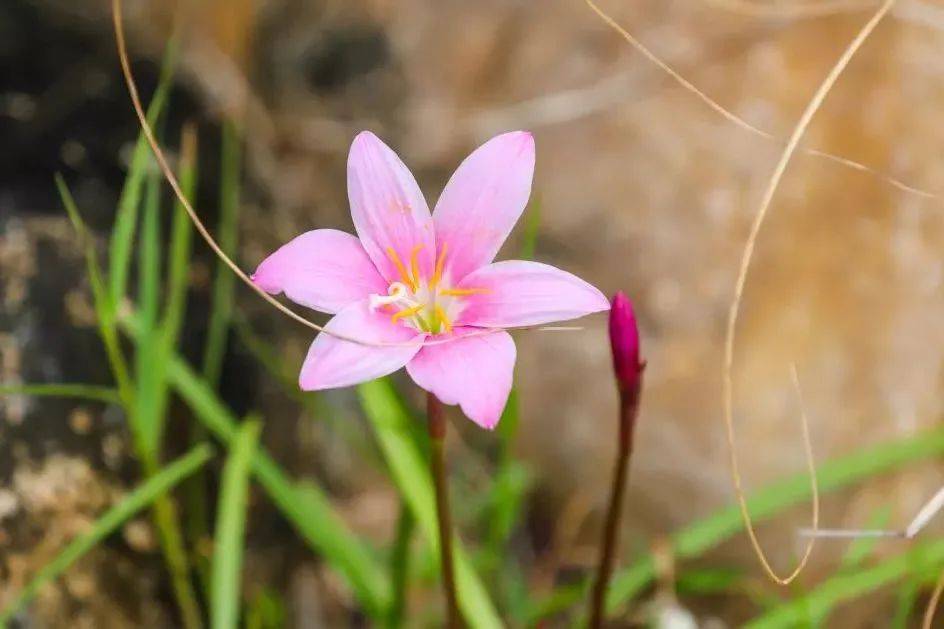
x=144 y=495
x=704 y=535
x=532 y=223
x=400 y=566
x=149 y=412
x=178 y=263
x=395 y=428
x=231 y=527
x=78 y=391
x=126 y=219
x=904 y=605
x=314 y=403
x=511 y=482
x=848 y=587
x=227 y=234
x=266 y=610
x=861 y=549
x=306 y=507
x=103 y=309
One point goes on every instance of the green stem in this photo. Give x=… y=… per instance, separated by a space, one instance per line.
x=437 y=435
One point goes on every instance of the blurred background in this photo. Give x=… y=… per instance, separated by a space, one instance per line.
x=639 y=186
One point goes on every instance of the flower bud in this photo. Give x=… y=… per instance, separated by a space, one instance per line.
x=624 y=342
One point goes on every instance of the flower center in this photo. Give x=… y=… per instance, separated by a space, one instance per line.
x=420 y=303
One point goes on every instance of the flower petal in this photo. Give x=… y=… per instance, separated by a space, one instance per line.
x=474 y=372
x=517 y=293
x=388 y=208
x=483 y=200
x=324 y=269
x=333 y=363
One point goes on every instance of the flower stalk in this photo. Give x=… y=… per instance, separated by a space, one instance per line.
x=436 y=424
x=628 y=370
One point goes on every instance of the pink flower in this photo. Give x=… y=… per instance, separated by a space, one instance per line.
x=413 y=280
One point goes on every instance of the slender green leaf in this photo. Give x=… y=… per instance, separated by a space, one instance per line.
x=178 y=264
x=103 y=309
x=231 y=527
x=511 y=482
x=532 y=224
x=861 y=549
x=847 y=587
x=227 y=234
x=108 y=523
x=305 y=506
x=266 y=611
x=400 y=565
x=80 y=391
x=394 y=428
x=122 y=237
x=704 y=581
x=905 y=604
x=149 y=413
x=313 y=402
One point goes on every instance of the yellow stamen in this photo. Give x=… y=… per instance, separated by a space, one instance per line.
x=437 y=274
x=441 y=315
x=406 y=312
x=462 y=292
x=415 y=266
x=400 y=268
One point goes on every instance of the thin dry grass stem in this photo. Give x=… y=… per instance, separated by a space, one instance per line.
x=814 y=104
x=928 y=621
x=925 y=514
x=171 y=179
x=747 y=126
x=793 y=10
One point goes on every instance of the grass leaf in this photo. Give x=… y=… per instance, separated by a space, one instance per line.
x=306 y=507
x=78 y=391
x=227 y=235
x=846 y=587
x=126 y=218
x=231 y=527
x=149 y=412
x=400 y=565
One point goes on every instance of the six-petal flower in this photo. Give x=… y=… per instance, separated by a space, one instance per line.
x=420 y=290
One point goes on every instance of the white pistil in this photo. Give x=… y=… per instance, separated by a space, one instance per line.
x=397 y=292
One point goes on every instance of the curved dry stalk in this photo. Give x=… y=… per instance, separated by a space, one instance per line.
x=168 y=173
x=812 y=107
x=171 y=178
x=933 y=603
x=744 y=124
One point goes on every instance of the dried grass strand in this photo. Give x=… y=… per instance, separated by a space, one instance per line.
x=928 y=621
x=727 y=381
x=744 y=124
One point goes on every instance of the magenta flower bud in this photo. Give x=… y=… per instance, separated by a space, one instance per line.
x=624 y=341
